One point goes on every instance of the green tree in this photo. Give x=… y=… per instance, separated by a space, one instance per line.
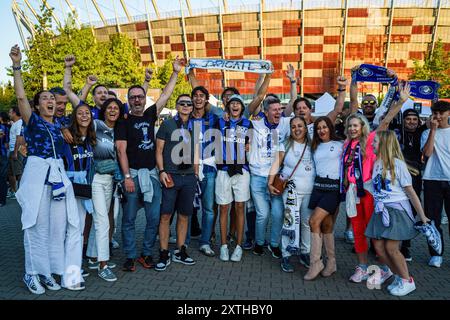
x=7 y=96
x=122 y=65
x=163 y=75
x=435 y=67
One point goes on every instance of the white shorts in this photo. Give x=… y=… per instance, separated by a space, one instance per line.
x=236 y=188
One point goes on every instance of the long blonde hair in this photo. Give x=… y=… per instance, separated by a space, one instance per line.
x=388 y=151
x=365 y=131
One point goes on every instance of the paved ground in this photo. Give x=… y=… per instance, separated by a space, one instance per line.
x=253 y=278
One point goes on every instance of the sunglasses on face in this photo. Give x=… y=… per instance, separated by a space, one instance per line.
x=185 y=104
x=140 y=97
x=369 y=102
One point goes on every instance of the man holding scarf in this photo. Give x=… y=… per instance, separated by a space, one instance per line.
x=135 y=142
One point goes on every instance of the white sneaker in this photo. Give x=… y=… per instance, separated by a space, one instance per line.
x=435 y=261
x=404 y=287
x=207 y=251
x=394 y=283
x=359 y=275
x=237 y=254
x=224 y=254
x=33 y=284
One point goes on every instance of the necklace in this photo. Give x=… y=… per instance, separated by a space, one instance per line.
x=410 y=140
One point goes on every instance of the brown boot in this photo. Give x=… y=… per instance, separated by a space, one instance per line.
x=328 y=241
x=316 y=264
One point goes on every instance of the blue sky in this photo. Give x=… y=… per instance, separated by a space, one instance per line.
x=9 y=37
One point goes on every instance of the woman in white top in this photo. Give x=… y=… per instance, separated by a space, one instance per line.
x=325 y=198
x=392 y=220
x=298 y=168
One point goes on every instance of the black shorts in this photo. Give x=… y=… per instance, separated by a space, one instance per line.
x=181 y=196
x=326 y=200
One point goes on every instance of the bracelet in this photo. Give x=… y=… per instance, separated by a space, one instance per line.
x=340 y=90
x=161 y=171
x=17 y=68
x=293 y=81
x=147 y=80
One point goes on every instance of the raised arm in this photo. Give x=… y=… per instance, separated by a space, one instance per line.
x=254 y=104
x=354 y=93
x=69 y=61
x=167 y=92
x=396 y=107
x=91 y=80
x=192 y=79
x=290 y=74
x=22 y=101
x=339 y=105
x=148 y=78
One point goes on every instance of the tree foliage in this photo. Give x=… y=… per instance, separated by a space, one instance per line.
x=115 y=62
x=435 y=67
x=7 y=96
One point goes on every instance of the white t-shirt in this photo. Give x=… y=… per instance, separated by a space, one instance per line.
x=438 y=165
x=387 y=191
x=260 y=156
x=305 y=173
x=13 y=133
x=327 y=159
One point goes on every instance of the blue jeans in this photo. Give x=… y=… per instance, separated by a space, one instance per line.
x=3 y=175
x=130 y=209
x=208 y=192
x=265 y=205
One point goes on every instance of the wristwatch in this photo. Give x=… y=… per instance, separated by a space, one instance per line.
x=127 y=176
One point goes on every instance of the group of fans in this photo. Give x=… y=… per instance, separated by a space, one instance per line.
x=245 y=164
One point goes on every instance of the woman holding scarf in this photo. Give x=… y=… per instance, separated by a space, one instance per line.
x=298 y=168
x=393 y=220
x=79 y=163
x=49 y=210
x=357 y=162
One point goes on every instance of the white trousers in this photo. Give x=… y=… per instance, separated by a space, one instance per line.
x=52 y=245
x=102 y=191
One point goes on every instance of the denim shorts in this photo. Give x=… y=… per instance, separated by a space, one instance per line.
x=181 y=196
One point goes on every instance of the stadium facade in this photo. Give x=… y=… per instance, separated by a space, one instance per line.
x=320 y=38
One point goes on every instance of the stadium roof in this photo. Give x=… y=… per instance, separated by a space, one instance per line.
x=110 y=12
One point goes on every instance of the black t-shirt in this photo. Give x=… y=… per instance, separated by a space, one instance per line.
x=410 y=144
x=139 y=132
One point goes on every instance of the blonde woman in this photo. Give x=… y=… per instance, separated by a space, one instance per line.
x=357 y=163
x=393 y=220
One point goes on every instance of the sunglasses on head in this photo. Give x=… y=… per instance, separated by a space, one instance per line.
x=185 y=104
x=367 y=102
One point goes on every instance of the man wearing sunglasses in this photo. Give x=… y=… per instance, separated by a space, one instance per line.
x=136 y=148
x=176 y=157
x=369 y=105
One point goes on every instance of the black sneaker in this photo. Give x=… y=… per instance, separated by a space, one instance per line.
x=129 y=265
x=405 y=252
x=276 y=252
x=181 y=256
x=258 y=250
x=164 y=260
x=304 y=259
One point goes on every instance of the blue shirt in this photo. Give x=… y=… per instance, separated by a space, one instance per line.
x=64 y=121
x=39 y=142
